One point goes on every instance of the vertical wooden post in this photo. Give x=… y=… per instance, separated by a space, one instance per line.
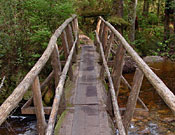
x=69 y=36
x=66 y=52
x=65 y=44
x=41 y=122
x=108 y=49
x=104 y=44
x=118 y=67
x=70 y=40
x=101 y=30
x=56 y=64
x=98 y=26
x=77 y=33
x=132 y=100
x=105 y=38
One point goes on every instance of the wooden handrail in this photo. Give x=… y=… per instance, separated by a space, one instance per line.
x=59 y=92
x=158 y=84
x=113 y=95
x=12 y=101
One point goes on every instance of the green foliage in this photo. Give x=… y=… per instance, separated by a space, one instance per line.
x=26 y=27
x=117 y=21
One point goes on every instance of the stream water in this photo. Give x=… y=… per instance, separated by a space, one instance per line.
x=159 y=121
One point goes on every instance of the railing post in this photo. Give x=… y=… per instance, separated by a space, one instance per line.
x=76 y=33
x=101 y=30
x=65 y=44
x=108 y=49
x=56 y=64
x=118 y=67
x=70 y=40
x=132 y=100
x=98 y=26
x=105 y=37
x=41 y=122
x=66 y=52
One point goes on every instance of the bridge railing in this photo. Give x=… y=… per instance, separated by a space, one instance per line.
x=105 y=34
x=68 y=32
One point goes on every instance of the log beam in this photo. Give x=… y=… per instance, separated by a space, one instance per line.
x=41 y=122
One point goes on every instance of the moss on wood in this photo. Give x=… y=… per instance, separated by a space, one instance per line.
x=59 y=122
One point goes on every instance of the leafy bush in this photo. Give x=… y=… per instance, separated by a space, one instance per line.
x=26 y=27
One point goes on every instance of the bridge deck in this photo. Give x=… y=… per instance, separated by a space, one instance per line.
x=89 y=116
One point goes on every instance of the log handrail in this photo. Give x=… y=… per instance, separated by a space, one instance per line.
x=161 y=88
x=113 y=95
x=12 y=101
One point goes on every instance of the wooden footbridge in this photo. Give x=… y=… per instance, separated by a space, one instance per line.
x=89 y=114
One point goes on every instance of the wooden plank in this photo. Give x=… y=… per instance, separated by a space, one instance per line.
x=113 y=95
x=12 y=101
x=41 y=122
x=59 y=92
x=158 y=84
x=132 y=100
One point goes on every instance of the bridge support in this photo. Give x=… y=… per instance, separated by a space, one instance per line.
x=132 y=100
x=118 y=67
x=41 y=122
x=66 y=52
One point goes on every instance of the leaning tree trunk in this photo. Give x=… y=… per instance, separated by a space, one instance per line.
x=131 y=19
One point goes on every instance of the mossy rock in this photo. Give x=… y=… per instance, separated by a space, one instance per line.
x=48 y=97
x=117 y=21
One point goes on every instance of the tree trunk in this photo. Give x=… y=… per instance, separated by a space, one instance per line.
x=158 y=9
x=131 y=18
x=167 y=20
x=145 y=8
x=117 y=10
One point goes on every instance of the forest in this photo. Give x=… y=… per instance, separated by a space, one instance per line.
x=26 y=26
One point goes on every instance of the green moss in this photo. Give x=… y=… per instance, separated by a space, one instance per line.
x=117 y=21
x=59 y=122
